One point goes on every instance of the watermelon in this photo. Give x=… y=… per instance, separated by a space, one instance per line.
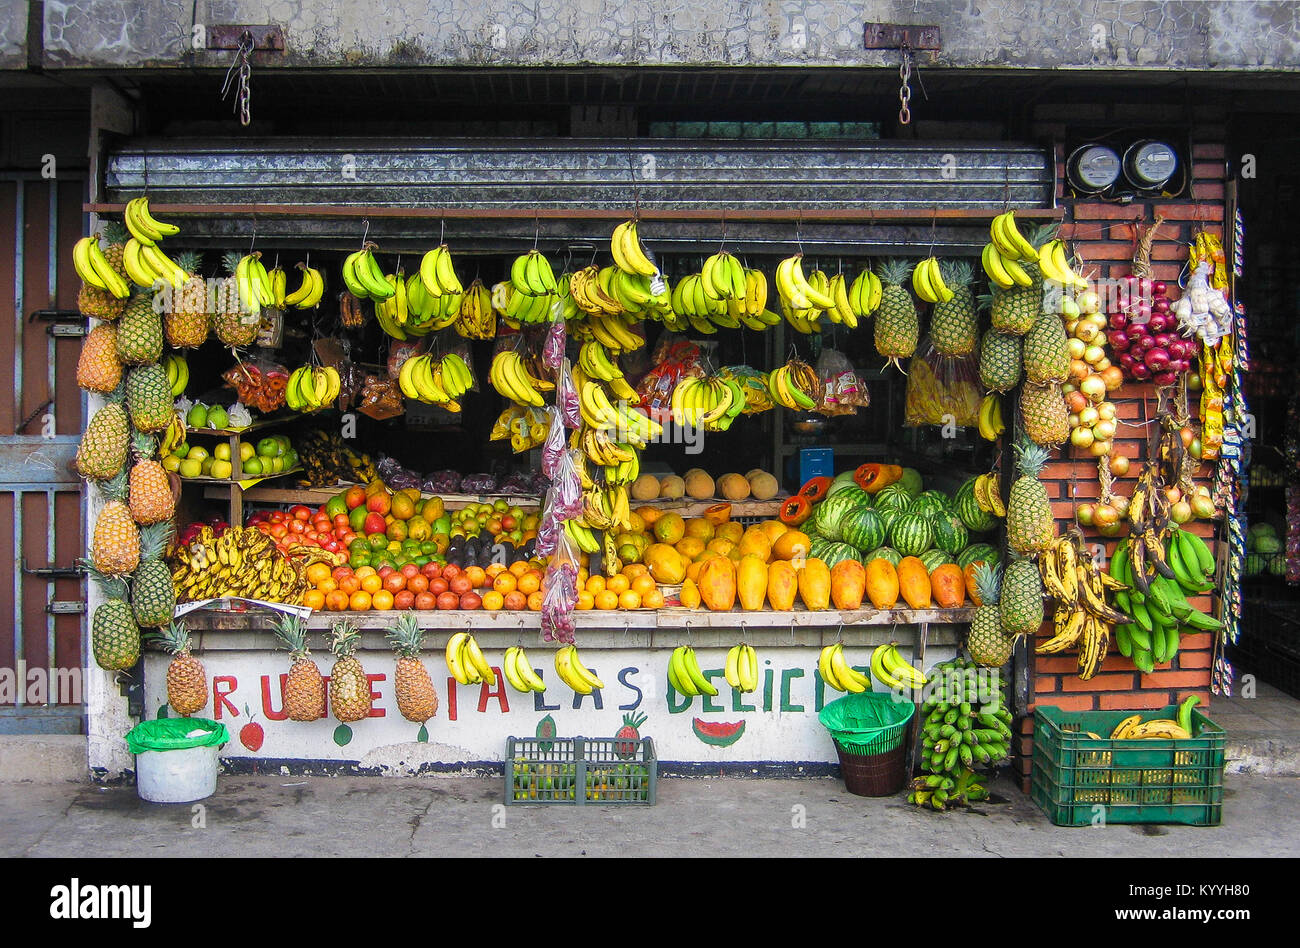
x=830 y=514
x=910 y=482
x=977 y=551
x=817 y=546
x=931 y=503
x=842 y=480
x=894 y=497
x=968 y=508
x=837 y=552
x=883 y=553
x=911 y=534
x=863 y=528
x=887 y=516
x=950 y=533
x=933 y=559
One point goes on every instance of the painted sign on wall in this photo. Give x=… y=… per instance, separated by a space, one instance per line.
x=777 y=722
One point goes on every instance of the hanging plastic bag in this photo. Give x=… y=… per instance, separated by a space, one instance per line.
x=553 y=349
x=560 y=592
x=553 y=450
x=942 y=390
x=843 y=392
x=566 y=396
x=259 y=382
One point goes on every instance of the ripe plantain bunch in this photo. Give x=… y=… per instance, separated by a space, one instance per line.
x=241 y=562
x=327 y=459
x=1083 y=618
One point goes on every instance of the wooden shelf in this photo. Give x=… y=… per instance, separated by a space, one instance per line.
x=319 y=495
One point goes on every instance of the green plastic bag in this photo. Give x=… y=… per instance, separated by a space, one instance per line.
x=169 y=734
x=869 y=719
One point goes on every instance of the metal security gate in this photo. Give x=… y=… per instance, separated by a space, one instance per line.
x=42 y=601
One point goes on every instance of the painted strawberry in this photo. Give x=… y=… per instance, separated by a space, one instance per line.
x=628 y=735
x=251 y=734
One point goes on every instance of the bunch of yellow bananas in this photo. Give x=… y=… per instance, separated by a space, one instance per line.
x=512 y=378
x=575 y=674
x=309 y=293
x=436 y=382
x=1006 y=250
x=712 y=403
x=838 y=673
x=311 y=388
x=803 y=298
x=795 y=386
x=741 y=668
x=476 y=319
x=95 y=270
x=699 y=303
x=178 y=373
x=990 y=417
x=466 y=662
x=595 y=362
x=988 y=494
x=928 y=282
x=519 y=671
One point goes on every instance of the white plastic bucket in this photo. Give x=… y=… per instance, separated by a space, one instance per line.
x=176 y=776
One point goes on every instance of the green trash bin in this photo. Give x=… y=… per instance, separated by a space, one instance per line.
x=869 y=731
x=176 y=758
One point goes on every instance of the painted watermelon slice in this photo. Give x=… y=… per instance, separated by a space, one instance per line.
x=718 y=733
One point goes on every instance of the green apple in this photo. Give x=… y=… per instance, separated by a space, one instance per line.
x=221 y=469
x=190 y=467
x=198 y=453
x=198 y=416
x=268 y=448
x=252 y=467
x=222 y=451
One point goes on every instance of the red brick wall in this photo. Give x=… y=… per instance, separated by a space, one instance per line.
x=1104 y=235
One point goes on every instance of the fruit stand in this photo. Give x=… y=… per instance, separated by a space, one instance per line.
x=531 y=487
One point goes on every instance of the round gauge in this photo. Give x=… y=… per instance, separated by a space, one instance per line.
x=1093 y=168
x=1149 y=165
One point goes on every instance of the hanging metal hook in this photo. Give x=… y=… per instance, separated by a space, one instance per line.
x=366 y=233
x=442 y=230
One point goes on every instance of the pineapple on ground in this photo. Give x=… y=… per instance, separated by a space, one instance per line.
x=114 y=636
x=1021 y=609
x=987 y=643
x=349 y=687
x=101 y=304
x=186 y=323
x=1030 y=527
x=898 y=327
x=416 y=697
x=1000 y=361
x=953 y=325
x=1044 y=413
x=149 y=398
x=230 y=323
x=304 y=688
x=1046 y=350
x=115 y=542
x=139 y=331
x=187 y=681
x=98 y=368
x=153 y=597
x=101 y=455
x=150 y=489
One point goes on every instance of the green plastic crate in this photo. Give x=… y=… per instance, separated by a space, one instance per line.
x=581 y=770
x=1139 y=781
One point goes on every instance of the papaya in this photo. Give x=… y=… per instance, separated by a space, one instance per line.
x=875 y=477
x=717 y=584
x=782 y=584
x=690 y=595
x=791 y=545
x=848 y=584
x=751 y=581
x=815 y=584
x=948 y=586
x=755 y=541
x=914 y=582
x=968 y=575
x=882 y=583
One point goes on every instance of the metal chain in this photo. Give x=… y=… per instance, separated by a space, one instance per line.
x=905 y=90
x=242 y=71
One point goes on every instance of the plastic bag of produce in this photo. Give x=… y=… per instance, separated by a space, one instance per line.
x=843 y=392
x=399 y=352
x=442 y=482
x=566 y=396
x=942 y=390
x=381 y=398
x=560 y=591
x=553 y=450
x=259 y=382
x=553 y=349
x=674 y=358
x=754 y=384
x=478 y=484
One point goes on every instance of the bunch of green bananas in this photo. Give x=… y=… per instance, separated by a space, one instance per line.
x=436 y=382
x=684 y=674
x=253 y=281
x=966 y=725
x=795 y=386
x=536 y=291
x=178 y=372
x=364 y=277
x=696 y=304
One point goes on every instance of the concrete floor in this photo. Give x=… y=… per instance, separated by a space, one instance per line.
x=1263 y=730
x=366 y=816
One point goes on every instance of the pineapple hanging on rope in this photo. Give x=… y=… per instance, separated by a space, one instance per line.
x=114 y=636
x=1045 y=415
x=101 y=304
x=1030 y=527
x=150 y=489
x=230 y=324
x=954 y=323
x=1046 y=350
x=153 y=597
x=416 y=697
x=186 y=322
x=101 y=455
x=349 y=687
x=1001 y=365
x=1021 y=608
x=987 y=644
x=98 y=368
x=187 y=681
x=1015 y=309
x=115 y=542
x=149 y=398
x=304 y=687
x=139 y=331
x=898 y=327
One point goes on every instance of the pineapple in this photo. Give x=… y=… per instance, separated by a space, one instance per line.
x=153 y=597
x=1014 y=310
x=953 y=324
x=349 y=687
x=139 y=332
x=101 y=455
x=1030 y=527
x=98 y=368
x=1021 y=608
x=1000 y=361
x=115 y=543
x=99 y=304
x=150 y=489
x=117 y=235
x=1044 y=412
x=304 y=688
x=228 y=316
x=114 y=636
x=149 y=397
x=187 y=682
x=1047 y=351
x=416 y=697
x=186 y=324
x=897 y=325
x=987 y=643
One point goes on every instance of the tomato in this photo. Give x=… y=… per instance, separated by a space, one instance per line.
x=297 y=526
x=300 y=512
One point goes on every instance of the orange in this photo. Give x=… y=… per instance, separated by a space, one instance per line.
x=359 y=601
x=492 y=599
x=505 y=582
x=328 y=584
x=349 y=584
x=336 y=601
x=633 y=570
x=629 y=600
x=530 y=582
x=518 y=567
x=653 y=600
x=606 y=600
x=318 y=573
x=476 y=576
x=618 y=583
x=644 y=584
x=381 y=599
x=494 y=569
x=314 y=598
x=586 y=600
x=364 y=571
x=371 y=582
x=595 y=584
x=535 y=601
